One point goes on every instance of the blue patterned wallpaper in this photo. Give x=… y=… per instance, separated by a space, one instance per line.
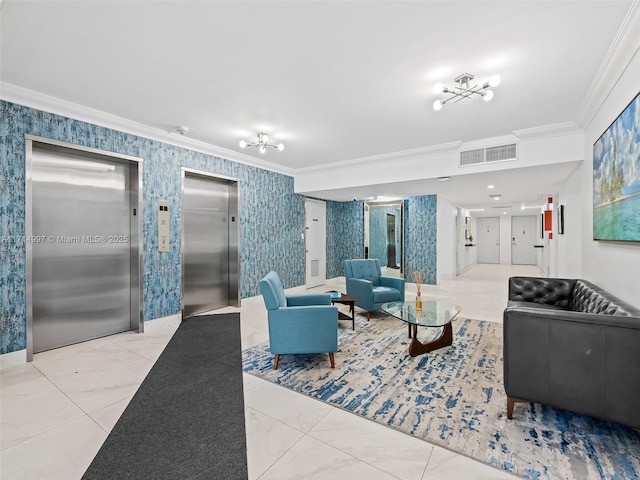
x=420 y=234
x=271 y=215
x=345 y=235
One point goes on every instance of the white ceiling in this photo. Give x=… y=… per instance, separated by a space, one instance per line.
x=333 y=81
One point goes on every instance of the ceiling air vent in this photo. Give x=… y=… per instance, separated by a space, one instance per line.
x=471 y=157
x=491 y=154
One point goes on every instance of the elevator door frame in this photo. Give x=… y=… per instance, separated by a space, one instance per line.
x=234 y=233
x=136 y=322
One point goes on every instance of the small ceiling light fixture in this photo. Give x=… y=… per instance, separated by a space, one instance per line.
x=182 y=130
x=262 y=144
x=444 y=179
x=496 y=197
x=464 y=89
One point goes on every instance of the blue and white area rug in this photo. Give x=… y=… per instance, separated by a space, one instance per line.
x=454 y=397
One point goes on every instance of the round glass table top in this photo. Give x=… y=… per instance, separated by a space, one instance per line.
x=434 y=313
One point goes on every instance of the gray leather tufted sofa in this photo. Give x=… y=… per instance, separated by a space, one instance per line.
x=572 y=345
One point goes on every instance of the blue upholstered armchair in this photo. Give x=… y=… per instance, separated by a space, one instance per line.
x=299 y=323
x=366 y=283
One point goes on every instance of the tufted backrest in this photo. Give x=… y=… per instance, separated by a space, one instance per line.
x=365 y=269
x=273 y=291
x=548 y=291
x=589 y=298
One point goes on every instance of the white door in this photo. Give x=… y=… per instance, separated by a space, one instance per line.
x=316 y=246
x=488 y=240
x=524 y=236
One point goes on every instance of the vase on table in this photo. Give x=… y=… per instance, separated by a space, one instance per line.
x=417 y=277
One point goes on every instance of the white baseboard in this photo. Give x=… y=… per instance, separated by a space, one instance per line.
x=162 y=322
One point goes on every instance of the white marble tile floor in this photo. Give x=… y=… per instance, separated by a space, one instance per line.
x=56 y=411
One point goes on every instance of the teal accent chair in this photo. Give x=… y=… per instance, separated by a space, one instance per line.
x=366 y=283
x=299 y=323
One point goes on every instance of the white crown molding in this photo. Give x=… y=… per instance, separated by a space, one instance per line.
x=546 y=131
x=623 y=48
x=442 y=148
x=40 y=101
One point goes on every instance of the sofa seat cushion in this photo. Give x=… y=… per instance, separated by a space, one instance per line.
x=385 y=294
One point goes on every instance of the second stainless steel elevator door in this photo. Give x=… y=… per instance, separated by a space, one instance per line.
x=80 y=247
x=206 y=243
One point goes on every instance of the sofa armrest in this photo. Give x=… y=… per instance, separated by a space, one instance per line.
x=304 y=299
x=393 y=282
x=360 y=289
x=526 y=353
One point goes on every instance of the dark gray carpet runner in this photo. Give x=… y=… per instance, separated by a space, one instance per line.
x=186 y=421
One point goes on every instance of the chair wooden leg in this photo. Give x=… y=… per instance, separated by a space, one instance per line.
x=368 y=316
x=332 y=359
x=276 y=360
x=511 y=401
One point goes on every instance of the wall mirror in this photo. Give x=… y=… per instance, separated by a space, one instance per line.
x=383 y=235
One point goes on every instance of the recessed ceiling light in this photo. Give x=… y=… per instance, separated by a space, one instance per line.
x=496 y=197
x=444 y=179
x=491 y=186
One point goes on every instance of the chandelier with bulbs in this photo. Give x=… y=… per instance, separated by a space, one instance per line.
x=262 y=144
x=464 y=89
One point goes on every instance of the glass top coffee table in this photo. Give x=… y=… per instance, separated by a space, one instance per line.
x=434 y=313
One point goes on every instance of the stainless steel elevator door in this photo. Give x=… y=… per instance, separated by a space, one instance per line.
x=81 y=258
x=205 y=223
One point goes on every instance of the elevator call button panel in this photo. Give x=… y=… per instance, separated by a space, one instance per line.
x=163 y=226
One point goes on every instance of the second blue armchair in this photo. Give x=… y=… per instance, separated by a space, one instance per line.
x=366 y=283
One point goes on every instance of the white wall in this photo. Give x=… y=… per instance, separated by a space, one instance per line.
x=447 y=239
x=612 y=266
x=468 y=256
x=569 y=245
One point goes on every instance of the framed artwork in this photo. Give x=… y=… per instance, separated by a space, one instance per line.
x=561 y=219
x=542 y=225
x=467 y=228
x=616 y=178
